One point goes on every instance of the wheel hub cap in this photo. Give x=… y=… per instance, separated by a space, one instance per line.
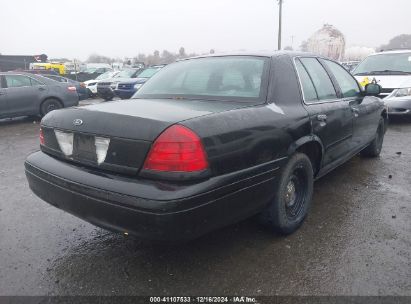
x=290 y=194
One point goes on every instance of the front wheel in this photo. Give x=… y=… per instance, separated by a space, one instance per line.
x=292 y=196
x=375 y=147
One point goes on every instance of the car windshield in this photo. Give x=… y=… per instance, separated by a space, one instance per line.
x=104 y=75
x=212 y=78
x=147 y=73
x=398 y=63
x=91 y=70
x=126 y=73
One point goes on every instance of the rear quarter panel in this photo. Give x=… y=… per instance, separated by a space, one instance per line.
x=61 y=92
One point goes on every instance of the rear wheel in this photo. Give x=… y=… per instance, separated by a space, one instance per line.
x=49 y=105
x=292 y=196
x=375 y=147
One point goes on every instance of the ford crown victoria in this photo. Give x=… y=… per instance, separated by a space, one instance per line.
x=207 y=142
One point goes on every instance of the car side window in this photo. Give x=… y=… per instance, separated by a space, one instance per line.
x=16 y=81
x=349 y=86
x=35 y=82
x=310 y=95
x=321 y=80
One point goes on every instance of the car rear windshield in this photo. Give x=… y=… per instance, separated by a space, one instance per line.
x=240 y=78
x=126 y=73
x=398 y=63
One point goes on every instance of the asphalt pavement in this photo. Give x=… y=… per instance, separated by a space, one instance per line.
x=356 y=240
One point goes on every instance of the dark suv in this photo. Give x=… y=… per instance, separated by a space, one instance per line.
x=106 y=87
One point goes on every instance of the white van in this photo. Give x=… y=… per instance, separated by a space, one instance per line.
x=391 y=70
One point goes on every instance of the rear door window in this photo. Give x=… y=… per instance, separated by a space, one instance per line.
x=16 y=81
x=310 y=94
x=348 y=85
x=321 y=80
x=35 y=82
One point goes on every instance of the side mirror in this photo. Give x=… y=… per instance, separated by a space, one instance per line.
x=372 y=89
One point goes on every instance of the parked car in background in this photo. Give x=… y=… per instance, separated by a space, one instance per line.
x=91 y=85
x=391 y=70
x=105 y=88
x=24 y=94
x=126 y=89
x=207 y=142
x=80 y=86
x=91 y=73
x=350 y=65
x=38 y=72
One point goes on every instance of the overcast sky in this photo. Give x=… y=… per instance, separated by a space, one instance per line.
x=124 y=28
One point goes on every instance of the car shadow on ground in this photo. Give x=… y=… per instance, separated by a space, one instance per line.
x=19 y=120
x=176 y=267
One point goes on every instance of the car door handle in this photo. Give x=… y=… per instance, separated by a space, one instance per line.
x=42 y=89
x=1 y=93
x=355 y=111
x=322 y=117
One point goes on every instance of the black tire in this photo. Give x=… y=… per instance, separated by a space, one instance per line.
x=49 y=105
x=375 y=147
x=90 y=94
x=292 y=196
x=108 y=98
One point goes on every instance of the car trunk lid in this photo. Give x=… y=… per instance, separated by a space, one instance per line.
x=130 y=127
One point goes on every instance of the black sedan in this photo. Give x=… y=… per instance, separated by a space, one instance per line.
x=207 y=142
x=23 y=94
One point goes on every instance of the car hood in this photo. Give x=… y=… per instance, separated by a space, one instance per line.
x=135 y=81
x=117 y=80
x=386 y=81
x=92 y=81
x=140 y=119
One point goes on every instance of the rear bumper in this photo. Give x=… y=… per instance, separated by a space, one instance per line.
x=150 y=209
x=82 y=93
x=398 y=106
x=399 y=112
x=71 y=100
x=105 y=92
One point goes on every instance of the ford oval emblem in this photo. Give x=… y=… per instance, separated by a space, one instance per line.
x=77 y=122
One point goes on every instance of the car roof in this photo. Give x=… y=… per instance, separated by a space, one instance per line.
x=260 y=54
x=402 y=51
x=19 y=73
x=39 y=77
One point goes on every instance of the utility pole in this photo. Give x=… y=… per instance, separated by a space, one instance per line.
x=280 y=17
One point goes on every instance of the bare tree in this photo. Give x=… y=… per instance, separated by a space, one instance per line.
x=95 y=58
x=182 y=53
x=399 y=42
x=304 y=46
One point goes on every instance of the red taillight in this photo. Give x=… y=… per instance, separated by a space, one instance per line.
x=72 y=89
x=41 y=136
x=177 y=149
